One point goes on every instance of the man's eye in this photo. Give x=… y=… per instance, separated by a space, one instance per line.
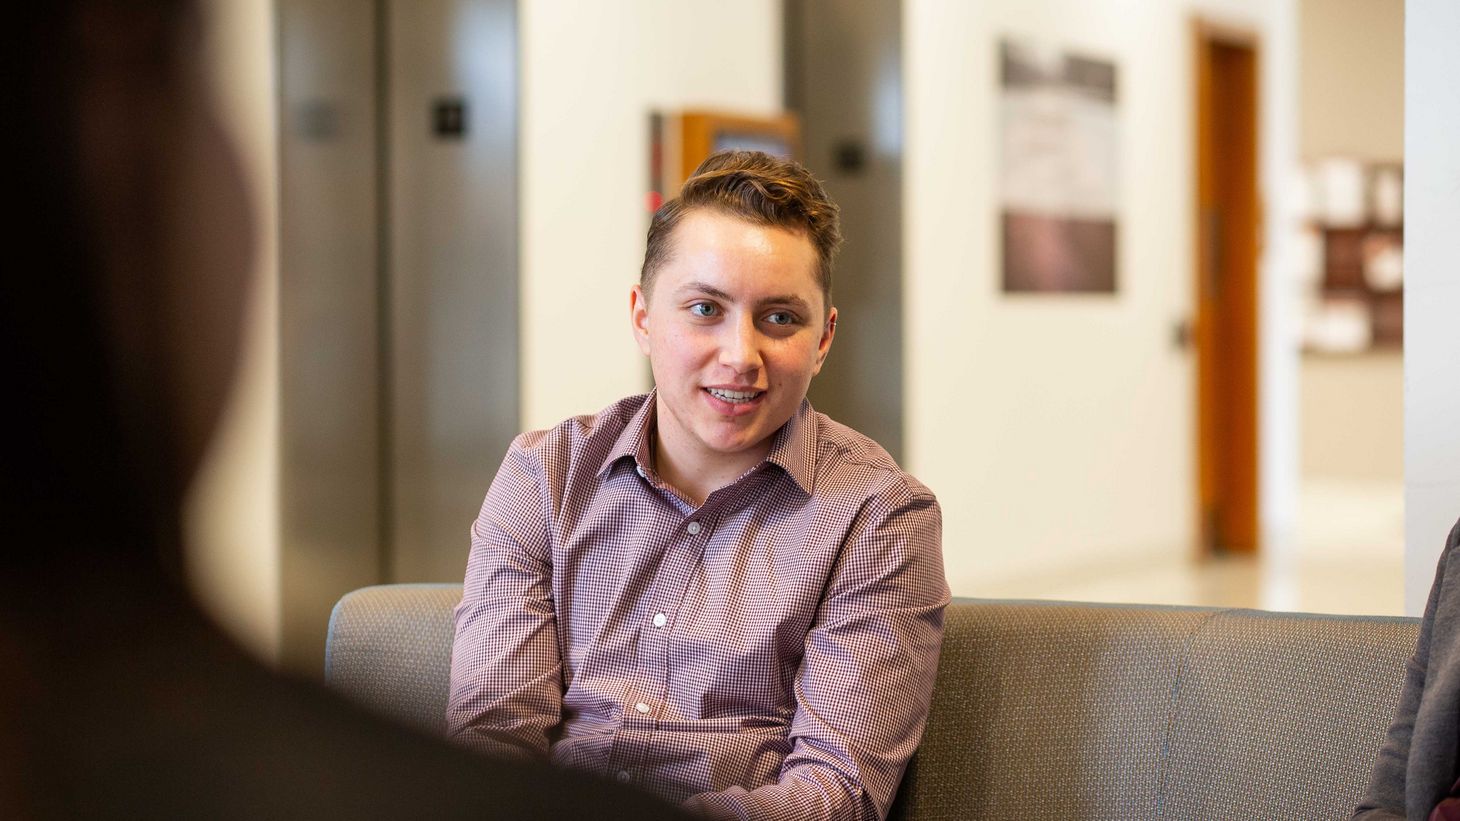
x=781 y=318
x=702 y=309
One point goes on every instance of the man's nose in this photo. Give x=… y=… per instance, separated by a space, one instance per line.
x=740 y=346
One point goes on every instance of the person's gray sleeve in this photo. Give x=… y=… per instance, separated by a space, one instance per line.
x=1384 y=798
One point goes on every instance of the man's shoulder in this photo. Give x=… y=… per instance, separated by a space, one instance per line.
x=850 y=461
x=580 y=437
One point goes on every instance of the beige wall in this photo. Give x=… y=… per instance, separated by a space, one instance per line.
x=591 y=73
x=1351 y=76
x=1058 y=431
x=1353 y=416
x=1351 y=85
x=233 y=515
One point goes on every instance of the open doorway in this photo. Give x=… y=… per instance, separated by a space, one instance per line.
x=1348 y=236
x=1229 y=221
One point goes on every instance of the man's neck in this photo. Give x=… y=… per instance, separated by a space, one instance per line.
x=696 y=476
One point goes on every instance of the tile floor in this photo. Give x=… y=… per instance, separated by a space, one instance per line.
x=1347 y=557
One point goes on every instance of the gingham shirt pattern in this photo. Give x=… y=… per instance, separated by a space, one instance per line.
x=769 y=654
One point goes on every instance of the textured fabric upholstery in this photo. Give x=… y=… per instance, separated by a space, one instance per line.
x=389 y=648
x=1280 y=715
x=1057 y=706
x=1052 y=709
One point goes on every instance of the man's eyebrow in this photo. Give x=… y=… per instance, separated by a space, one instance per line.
x=706 y=289
x=789 y=300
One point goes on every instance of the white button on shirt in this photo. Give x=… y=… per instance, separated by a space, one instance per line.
x=623 y=776
x=660 y=620
x=694 y=528
x=641 y=707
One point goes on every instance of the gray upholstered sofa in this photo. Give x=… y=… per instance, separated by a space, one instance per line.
x=1053 y=709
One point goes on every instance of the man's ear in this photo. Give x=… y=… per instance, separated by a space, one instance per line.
x=639 y=317
x=828 y=333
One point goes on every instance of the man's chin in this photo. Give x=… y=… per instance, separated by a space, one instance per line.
x=722 y=435
x=729 y=447
x=741 y=442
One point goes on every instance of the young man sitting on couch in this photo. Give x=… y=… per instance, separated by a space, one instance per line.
x=711 y=591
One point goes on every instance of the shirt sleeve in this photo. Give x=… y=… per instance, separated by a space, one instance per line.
x=506 y=672
x=866 y=678
x=1385 y=797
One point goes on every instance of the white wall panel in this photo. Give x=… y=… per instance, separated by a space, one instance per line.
x=1431 y=289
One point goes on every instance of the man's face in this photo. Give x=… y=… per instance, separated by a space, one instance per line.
x=734 y=329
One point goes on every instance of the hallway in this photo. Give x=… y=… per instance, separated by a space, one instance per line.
x=1347 y=557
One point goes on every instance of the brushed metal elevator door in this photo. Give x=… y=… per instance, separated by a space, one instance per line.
x=844 y=80
x=452 y=282
x=398 y=298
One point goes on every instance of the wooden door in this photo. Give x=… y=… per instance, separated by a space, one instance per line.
x=1226 y=327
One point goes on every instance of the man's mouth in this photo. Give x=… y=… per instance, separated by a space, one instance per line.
x=734 y=397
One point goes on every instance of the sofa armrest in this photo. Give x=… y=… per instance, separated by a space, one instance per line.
x=389 y=649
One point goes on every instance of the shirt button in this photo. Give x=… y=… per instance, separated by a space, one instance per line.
x=694 y=528
x=623 y=776
x=641 y=707
x=660 y=619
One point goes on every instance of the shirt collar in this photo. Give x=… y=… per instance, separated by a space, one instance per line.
x=633 y=440
x=793 y=447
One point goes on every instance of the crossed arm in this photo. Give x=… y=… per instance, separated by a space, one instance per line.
x=1385 y=797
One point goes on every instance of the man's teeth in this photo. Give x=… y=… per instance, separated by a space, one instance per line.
x=733 y=396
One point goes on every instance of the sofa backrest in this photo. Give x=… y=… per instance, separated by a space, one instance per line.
x=1065 y=710
x=1052 y=709
x=1280 y=715
x=1056 y=706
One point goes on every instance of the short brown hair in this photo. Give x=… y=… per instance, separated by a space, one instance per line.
x=758 y=188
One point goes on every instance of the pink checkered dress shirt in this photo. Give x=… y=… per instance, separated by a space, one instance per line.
x=769 y=654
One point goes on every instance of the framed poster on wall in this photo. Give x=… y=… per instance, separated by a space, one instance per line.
x=1058 y=171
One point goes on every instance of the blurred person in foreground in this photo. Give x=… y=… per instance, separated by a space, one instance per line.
x=121 y=317
x=1417 y=772
x=712 y=590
